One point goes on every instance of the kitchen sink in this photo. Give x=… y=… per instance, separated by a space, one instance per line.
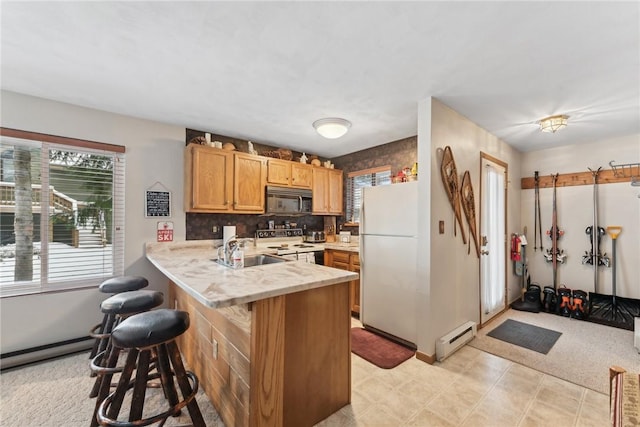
x=253 y=260
x=256 y=260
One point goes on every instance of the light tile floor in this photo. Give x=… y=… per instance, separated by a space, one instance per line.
x=470 y=388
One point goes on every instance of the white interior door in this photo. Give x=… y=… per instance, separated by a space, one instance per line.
x=493 y=237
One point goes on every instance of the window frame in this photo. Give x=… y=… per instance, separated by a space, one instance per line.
x=349 y=193
x=46 y=142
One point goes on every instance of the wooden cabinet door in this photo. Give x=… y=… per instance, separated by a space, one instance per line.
x=349 y=261
x=354 y=285
x=249 y=183
x=335 y=192
x=279 y=172
x=320 y=190
x=301 y=175
x=208 y=178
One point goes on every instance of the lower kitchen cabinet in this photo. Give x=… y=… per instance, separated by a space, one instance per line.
x=350 y=261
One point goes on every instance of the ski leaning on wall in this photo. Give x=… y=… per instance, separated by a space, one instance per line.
x=595 y=233
x=536 y=214
x=555 y=255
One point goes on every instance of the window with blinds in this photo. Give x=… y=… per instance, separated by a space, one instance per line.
x=62 y=216
x=356 y=181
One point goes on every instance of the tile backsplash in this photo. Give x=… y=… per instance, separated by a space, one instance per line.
x=200 y=226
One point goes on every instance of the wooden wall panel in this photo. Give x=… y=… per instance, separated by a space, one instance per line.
x=267 y=330
x=606 y=176
x=224 y=379
x=318 y=324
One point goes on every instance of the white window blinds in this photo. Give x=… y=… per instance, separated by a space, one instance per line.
x=71 y=234
x=358 y=180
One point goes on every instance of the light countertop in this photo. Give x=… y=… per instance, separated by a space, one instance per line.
x=349 y=247
x=191 y=265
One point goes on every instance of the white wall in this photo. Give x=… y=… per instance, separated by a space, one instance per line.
x=618 y=205
x=454 y=274
x=154 y=152
x=423 y=314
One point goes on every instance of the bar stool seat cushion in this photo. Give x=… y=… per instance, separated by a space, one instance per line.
x=150 y=328
x=132 y=302
x=123 y=284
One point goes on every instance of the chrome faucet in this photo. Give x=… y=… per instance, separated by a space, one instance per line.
x=227 y=249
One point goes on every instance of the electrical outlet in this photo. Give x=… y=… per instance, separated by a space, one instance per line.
x=215 y=349
x=214 y=229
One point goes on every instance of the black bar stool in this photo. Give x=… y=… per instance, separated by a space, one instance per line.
x=145 y=335
x=112 y=286
x=118 y=307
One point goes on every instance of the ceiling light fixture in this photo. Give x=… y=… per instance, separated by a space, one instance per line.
x=332 y=127
x=553 y=123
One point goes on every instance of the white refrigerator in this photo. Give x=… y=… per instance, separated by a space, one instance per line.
x=388 y=259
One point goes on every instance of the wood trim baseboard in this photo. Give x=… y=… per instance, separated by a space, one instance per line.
x=428 y=358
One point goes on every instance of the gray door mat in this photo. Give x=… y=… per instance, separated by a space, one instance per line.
x=525 y=335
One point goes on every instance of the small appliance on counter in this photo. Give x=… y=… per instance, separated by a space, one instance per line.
x=315 y=237
x=345 y=237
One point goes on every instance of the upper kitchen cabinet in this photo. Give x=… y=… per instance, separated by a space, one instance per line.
x=290 y=174
x=221 y=181
x=327 y=191
x=248 y=183
x=301 y=175
x=208 y=179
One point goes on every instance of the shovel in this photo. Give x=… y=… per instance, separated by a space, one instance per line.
x=614 y=231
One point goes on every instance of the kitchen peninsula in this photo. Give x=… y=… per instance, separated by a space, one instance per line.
x=270 y=344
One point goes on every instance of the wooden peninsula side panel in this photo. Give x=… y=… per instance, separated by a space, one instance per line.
x=291 y=366
x=225 y=379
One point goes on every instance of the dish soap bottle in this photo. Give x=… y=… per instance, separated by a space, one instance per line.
x=238 y=258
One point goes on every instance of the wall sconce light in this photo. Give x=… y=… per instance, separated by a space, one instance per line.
x=332 y=127
x=553 y=123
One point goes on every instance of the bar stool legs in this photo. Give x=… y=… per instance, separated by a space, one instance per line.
x=98 y=332
x=149 y=337
x=116 y=308
x=112 y=286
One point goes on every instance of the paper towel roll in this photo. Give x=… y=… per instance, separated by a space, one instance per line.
x=228 y=231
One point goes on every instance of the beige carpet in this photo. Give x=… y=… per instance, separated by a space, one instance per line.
x=582 y=355
x=59 y=394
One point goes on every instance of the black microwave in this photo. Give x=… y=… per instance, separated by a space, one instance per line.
x=287 y=201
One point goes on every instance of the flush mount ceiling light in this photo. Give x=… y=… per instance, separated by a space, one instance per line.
x=553 y=123
x=332 y=127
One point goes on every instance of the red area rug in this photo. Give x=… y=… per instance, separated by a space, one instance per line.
x=378 y=350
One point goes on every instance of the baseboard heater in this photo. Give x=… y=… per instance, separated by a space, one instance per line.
x=454 y=340
x=35 y=354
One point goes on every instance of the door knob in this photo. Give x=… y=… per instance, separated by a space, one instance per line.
x=484 y=252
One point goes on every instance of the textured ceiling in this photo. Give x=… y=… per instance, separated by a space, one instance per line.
x=265 y=71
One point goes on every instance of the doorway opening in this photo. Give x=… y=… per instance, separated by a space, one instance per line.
x=493 y=237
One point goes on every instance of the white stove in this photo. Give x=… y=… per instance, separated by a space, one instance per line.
x=290 y=243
